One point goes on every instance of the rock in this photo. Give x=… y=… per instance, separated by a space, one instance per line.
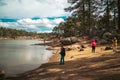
x=69 y=40
x=81 y=49
x=108 y=48
x=118 y=51
x=82 y=46
x=2 y=74
x=107 y=35
x=72 y=57
x=103 y=41
x=63 y=72
x=68 y=49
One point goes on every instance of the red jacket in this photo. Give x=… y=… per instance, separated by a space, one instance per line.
x=93 y=43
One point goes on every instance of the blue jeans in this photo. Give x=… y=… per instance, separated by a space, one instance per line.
x=62 y=59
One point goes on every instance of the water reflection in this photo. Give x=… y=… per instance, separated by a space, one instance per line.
x=17 y=56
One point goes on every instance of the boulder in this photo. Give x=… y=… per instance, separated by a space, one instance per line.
x=108 y=48
x=68 y=49
x=83 y=46
x=103 y=41
x=81 y=49
x=2 y=74
x=107 y=35
x=69 y=40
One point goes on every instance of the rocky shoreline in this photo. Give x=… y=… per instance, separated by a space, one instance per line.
x=79 y=65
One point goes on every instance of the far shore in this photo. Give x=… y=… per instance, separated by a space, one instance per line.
x=19 y=38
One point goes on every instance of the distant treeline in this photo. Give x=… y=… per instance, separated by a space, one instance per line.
x=14 y=33
x=7 y=32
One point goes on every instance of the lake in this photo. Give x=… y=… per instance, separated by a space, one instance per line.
x=18 y=56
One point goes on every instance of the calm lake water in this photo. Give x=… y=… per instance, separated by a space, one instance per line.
x=17 y=56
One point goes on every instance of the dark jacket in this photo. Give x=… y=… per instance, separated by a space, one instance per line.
x=62 y=52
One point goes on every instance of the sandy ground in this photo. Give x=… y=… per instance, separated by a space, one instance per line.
x=79 y=65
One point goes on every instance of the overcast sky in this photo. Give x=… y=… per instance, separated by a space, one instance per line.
x=32 y=15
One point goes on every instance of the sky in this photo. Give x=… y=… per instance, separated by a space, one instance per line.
x=32 y=15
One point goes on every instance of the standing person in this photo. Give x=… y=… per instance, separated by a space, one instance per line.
x=93 y=46
x=114 y=44
x=62 y=55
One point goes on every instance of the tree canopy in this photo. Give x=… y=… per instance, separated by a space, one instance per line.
x=91 y=17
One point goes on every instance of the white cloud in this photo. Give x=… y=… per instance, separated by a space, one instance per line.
x=32 y=27
x=41 y=22
x=4 y=24
x=24 y=10
x=28 y=21
x=46 y=31
x=31 y=8
x=39 y=25
x=58 y=20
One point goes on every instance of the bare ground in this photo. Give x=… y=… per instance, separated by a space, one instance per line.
x=79 y=65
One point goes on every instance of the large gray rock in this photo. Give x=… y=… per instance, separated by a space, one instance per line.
x=69 y=40
x=107 y=35
x=103 y=41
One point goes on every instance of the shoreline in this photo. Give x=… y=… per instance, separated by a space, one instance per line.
x=82 y=65
x=12 y=71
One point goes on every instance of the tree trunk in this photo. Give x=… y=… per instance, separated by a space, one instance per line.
x=119 y=16
x=107 y=11
x=114 y=15
x=89 y=17
x=83 y=20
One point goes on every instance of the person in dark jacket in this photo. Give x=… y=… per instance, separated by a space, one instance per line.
x=62 y=55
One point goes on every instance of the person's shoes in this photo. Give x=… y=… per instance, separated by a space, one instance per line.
x=60 y=64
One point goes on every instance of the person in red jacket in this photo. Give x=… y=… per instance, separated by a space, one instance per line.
x=93 y=46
